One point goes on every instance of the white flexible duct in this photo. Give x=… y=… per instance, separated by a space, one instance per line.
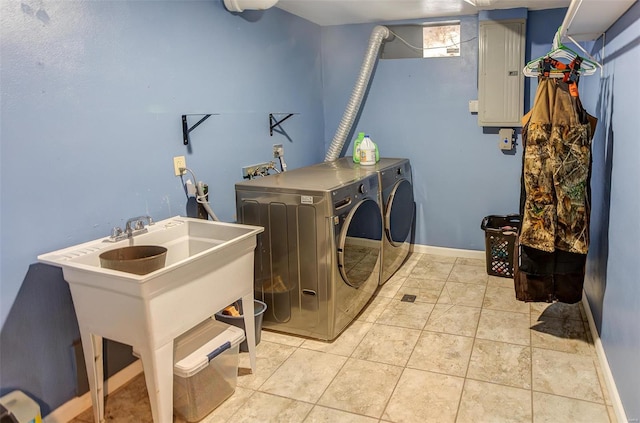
x=378 y=34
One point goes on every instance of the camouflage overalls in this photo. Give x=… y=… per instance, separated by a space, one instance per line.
x=555 y=203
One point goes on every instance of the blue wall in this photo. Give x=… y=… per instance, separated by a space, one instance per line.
x=92 y=95
x=612 y=284
x=541 y=26
x=418 y=108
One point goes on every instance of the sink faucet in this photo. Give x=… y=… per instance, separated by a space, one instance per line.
x=117 y=234
x=138 y=225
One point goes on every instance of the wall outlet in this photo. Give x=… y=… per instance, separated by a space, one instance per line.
x=179 y=162
x=506 y=138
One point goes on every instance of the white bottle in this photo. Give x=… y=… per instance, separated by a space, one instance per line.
x=367 y=152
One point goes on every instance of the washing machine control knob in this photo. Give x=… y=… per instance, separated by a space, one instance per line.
x=399 y=171
x=362 y=189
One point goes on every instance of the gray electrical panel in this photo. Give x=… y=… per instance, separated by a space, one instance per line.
x=500 y=78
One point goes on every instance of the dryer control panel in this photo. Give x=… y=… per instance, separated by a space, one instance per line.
x=348 y=195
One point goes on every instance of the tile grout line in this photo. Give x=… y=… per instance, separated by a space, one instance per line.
x=229 y=419
x=278 y=366
x=395 y=386
x=405 y=366
x=314 y=403
x=257 y=389
x=473 y=344
x=349 y=357
x=570 y=398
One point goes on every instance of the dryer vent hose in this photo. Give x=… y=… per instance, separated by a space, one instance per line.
x=378 y=34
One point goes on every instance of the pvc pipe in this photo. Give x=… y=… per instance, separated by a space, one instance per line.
x=242 y=5
x=568 y=18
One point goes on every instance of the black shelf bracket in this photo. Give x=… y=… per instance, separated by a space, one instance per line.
x=273 y=122
x=185 y=126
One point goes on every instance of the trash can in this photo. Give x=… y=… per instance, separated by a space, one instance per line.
x=258 y=311
x=500 y=237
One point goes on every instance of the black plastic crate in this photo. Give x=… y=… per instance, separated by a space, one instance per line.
x=500 y=237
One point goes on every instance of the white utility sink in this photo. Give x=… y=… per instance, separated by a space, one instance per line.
x=209 y=265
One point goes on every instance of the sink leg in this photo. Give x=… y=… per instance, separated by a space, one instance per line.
x=92 y=347
x=249 y=324
x=158 y=374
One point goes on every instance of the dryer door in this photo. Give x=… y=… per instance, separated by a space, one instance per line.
x=398 y=216
x=360 y=243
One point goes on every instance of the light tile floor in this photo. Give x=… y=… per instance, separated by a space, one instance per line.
x=465 y=351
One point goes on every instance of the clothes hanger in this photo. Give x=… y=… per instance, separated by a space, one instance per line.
x=561 y=53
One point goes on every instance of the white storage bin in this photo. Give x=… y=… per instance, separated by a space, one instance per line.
x=16 y=406
x=206 y=368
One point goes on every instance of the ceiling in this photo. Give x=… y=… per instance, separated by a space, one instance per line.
x=341 y=12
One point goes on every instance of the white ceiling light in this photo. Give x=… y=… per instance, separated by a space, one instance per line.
x=242 y=5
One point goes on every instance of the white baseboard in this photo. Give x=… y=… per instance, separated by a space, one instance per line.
x=73 y=408
x=616 y=402
x=444 y=251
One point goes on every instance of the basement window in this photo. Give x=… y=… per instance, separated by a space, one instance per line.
x=414 y=41
x=441 y=40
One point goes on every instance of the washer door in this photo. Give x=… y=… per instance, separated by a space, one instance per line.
x=398 y=217
x=360 y=243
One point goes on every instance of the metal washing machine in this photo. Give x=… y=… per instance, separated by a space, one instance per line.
x=398 y=206
x=318 y=261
